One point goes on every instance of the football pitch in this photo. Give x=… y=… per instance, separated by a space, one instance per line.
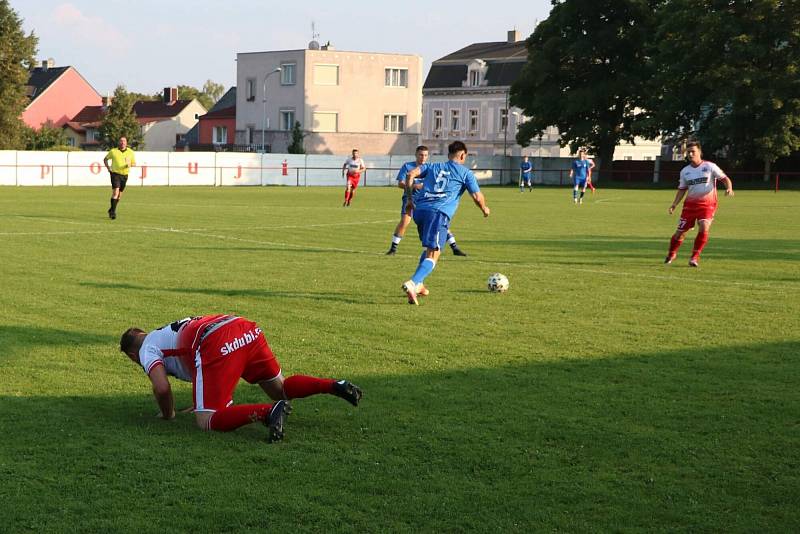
x=605 y=391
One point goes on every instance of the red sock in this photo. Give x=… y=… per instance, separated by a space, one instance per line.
x=299 y=386
x=699 y=242
x=591 y=186
x=233 y=417
x=346 y=195
x=674 y=245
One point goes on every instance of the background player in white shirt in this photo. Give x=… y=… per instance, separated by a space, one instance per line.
x=352 y=169
x=698 y=182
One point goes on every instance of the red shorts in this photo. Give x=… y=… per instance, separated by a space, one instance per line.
x=690 y=214
x=236 y=349
x=353 y=179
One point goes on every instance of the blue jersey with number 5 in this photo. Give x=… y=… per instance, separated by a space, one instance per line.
x=443 y=186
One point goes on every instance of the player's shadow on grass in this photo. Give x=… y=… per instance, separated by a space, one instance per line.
x=259 y=293
x=704 y=438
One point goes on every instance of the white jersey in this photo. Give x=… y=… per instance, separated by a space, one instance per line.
x=160 y=348
x=354 y=166
x=700 y=183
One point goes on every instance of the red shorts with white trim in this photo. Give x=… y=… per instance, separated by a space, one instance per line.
x=353 y=179
x=237 y=349
x=691 y=214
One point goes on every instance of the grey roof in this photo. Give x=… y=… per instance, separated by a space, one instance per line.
x=496 y=50
x=227 y=100
x=40 y=79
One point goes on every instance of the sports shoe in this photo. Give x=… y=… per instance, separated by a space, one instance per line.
x=422 y=291
x=347 y=391
x=392 y=251
x=411 y=290
x=694 y=261
x=669 y=258
x=276 y=419
x=458 y=252
x=580 y=201
x=112 y=214
x=574 y=200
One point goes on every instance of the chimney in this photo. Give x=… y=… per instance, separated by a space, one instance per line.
x=514 y=36
x=45 y=65
x=170 y=95
x=106 y=102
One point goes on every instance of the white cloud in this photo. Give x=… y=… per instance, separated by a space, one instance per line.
x=90 y=29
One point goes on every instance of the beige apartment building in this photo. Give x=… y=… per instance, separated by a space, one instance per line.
x=342 y=99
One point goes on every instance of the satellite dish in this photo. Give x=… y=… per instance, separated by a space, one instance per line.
x=313 y=45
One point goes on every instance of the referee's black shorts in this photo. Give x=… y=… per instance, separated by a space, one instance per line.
x=118 y=181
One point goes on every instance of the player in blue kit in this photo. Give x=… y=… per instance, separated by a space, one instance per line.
x=525 y=170
x=579 y=172
x=405 y=215
x=434 y=206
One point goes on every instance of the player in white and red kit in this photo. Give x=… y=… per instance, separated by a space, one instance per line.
x=213 y=352
x=352 y=168
x=698 y=182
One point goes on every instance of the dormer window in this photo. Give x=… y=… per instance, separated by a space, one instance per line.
x=474 y=78
x=476 y=73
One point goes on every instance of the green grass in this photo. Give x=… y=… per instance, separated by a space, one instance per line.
x=604 y=392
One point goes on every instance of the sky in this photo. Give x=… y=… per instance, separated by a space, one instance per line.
x=147 y=45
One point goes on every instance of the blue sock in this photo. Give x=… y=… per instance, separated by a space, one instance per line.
x=425 y=268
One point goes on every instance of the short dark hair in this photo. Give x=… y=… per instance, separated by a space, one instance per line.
x=692 y=144
x=422 y=147
x=128 y=339
x=455 y=147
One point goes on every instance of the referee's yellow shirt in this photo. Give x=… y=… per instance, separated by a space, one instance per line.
x=121 y=161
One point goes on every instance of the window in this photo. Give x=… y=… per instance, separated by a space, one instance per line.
x=474 y=78
x=394 y=123
x=473 y=120
x=326 y=74
x=287 y=119
x=70 y=141
x=326 y=121
x=219 y=135
x=249 y=129
x=250 y=89
x=437 y=120
x=455 y=120
x=503 y=119
x=628 y=158
x=648 y=158
x=287 y=73
x=396 y=77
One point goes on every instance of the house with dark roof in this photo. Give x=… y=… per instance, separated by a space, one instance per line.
x=82 y=130
x=56 y=94
x=166 y=122
x=217 y=128
x=465 y=97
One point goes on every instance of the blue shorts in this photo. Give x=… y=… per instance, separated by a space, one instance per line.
x=526 y=177
x=432 y=227
x=580 y=183
x=403 y=207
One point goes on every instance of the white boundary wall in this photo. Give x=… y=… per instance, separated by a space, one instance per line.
x=28 y=168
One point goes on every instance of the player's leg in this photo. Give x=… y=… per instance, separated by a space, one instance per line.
x=575 y=192
x=521 y=182
x=685 y=223
x=590 y=184
x=583 y=191
x=530 y=184
x=399 y=231
x=433 y=228
x=451 y=240
x=703 y=227
x=117 y=186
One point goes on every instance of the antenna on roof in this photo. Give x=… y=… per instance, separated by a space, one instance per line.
x=314 y=44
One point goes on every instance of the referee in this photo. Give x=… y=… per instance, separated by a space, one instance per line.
x=122 y=159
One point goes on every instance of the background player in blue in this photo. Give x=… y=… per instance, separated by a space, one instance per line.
x=405 y=215
x=434 y=206
x=579 y=173
x=525 y=169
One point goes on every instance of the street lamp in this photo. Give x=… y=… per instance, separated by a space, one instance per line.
x=264 y=118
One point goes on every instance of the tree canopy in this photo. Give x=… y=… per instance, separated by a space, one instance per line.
x=120 y=121
x=17 y=56
x=586 y=74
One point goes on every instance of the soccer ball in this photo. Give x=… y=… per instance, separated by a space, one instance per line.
x=497 y=283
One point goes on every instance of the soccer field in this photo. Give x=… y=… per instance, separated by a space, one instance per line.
x=604 y=392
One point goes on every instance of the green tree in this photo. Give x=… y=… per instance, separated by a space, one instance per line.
x=120 y=121
x=213 y=90
x=296 y=146
x=586 y=74
x=45 y=138
x=17 y=56
x=729 y=75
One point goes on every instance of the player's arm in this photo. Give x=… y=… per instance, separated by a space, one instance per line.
x=728 y=186
x=162 y=392
x=105 y=162
x=344 y=169
x=591 y=165
x=361 y=166
x=480 y=201
x=679 y=194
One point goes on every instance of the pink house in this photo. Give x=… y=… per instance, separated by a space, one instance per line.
x=57 y=94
